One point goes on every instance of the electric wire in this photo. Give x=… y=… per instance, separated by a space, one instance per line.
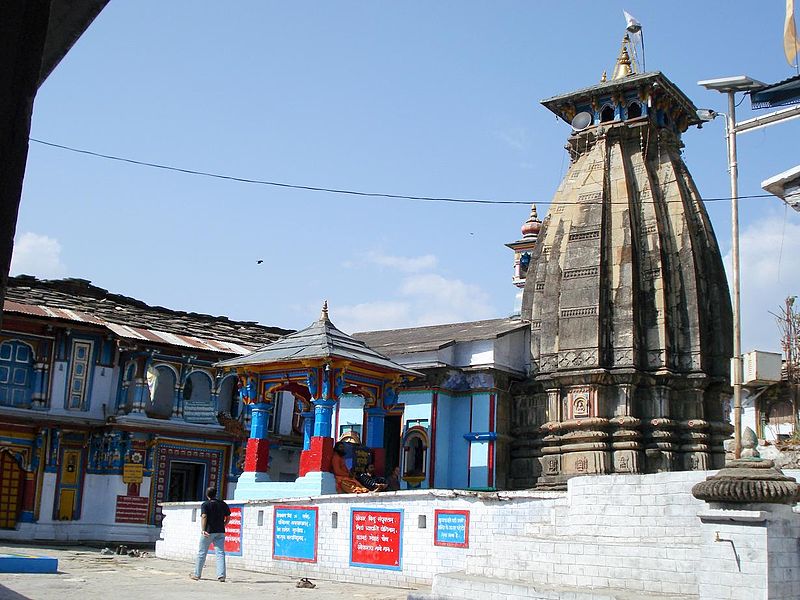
x=350 y=192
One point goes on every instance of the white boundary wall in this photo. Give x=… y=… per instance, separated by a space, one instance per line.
x=641 y=534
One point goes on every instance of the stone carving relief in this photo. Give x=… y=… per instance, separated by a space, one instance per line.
x=623 y=356
x=582 y=236
x=590 y=197
x=548 y=362
x=577 y=358
x=583 y=272
x=580 y=407
x=580 y=403
x=585 y=311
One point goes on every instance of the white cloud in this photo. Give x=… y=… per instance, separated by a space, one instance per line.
x=770 y=271
x=38 y=255
x=515 y=138
x=407 y=264
x=371 y=316
x=424 y=299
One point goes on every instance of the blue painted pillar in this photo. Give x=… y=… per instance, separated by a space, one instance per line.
x=323 y=413
x=257 y=454
x=308 y=428
x=259 y=420
x=375 y=418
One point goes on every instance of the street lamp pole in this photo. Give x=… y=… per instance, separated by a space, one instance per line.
x=731 y=85
x=733 y=168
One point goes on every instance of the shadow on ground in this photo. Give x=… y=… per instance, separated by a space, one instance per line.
x=7 y=594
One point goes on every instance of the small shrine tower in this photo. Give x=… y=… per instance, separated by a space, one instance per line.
x=522 y=254
x=626 y=296
x=317 y=365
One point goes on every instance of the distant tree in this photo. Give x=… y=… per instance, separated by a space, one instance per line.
x=788 y=320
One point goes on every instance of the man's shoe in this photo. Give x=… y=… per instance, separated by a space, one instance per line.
x=221 y=579
x=194 y=577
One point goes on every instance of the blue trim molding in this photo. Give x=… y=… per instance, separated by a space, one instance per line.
x=475 y=436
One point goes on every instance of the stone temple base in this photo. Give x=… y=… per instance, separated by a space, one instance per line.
x=257 y=486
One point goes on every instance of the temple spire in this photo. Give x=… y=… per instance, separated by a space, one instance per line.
x=623 y=67
x=533 y=225
x=323 y=316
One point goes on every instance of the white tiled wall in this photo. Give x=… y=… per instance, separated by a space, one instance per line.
x=638 y=533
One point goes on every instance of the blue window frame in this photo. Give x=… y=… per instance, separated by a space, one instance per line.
x=16 y=374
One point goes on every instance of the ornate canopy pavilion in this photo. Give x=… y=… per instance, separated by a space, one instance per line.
x=317 y=365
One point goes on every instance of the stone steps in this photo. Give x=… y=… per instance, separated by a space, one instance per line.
x=462 y=585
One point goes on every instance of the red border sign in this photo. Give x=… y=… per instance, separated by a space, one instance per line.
x=455 y=533
x=233 y=533
x=376 y=538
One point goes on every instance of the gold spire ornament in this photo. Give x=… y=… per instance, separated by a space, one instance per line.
x=623 y=67
x=604 y=78
x=323 y=316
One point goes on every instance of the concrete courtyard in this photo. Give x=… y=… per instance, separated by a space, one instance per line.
x=84 y=573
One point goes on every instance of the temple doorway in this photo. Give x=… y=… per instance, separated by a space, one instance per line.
x=186 y=481
x=391 y=441
x=11 y=479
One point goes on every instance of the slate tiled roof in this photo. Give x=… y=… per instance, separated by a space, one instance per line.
x=77 y=300
x=393 y=342
x=318 y=341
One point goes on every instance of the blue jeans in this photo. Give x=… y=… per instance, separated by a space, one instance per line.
x=218 y=539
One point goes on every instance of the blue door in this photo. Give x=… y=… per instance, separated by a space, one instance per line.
x=16 y=374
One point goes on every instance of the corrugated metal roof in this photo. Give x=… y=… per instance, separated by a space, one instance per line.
x=783 y=93
x=126 y=331
x=51 y=313
x=90 y=301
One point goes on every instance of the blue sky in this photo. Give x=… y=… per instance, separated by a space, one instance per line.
x=419 y=98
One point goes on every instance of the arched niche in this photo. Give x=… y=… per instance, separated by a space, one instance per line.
x=197 y=387
x=228 y=395
x=161 y=381
x=634 y=110
x=415 y=455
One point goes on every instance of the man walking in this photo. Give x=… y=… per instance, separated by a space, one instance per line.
x=215 y=514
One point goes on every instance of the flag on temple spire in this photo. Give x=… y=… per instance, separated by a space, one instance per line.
x=790 y=43
x=633 y=25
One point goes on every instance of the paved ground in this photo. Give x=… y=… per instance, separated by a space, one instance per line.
x=85 y=574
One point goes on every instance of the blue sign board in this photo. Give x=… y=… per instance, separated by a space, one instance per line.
x=451 y=528
x=294 y=535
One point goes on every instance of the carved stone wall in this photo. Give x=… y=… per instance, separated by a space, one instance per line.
x=630 y=317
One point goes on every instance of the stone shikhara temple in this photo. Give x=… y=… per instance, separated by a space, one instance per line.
x=626 y=296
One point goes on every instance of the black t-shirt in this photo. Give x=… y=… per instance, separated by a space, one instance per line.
x=215 y=512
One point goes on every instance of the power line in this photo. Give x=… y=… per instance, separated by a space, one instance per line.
x=312 y=188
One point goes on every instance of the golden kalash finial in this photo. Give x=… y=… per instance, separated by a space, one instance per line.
x=623 y=66
x=604 y=78
x=323 y=316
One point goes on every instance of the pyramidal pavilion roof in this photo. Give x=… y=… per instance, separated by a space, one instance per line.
x=320 y=341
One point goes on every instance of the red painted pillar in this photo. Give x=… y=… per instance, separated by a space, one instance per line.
x=318 y=456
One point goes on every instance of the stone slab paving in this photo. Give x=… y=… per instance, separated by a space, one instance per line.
x=84 y=574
